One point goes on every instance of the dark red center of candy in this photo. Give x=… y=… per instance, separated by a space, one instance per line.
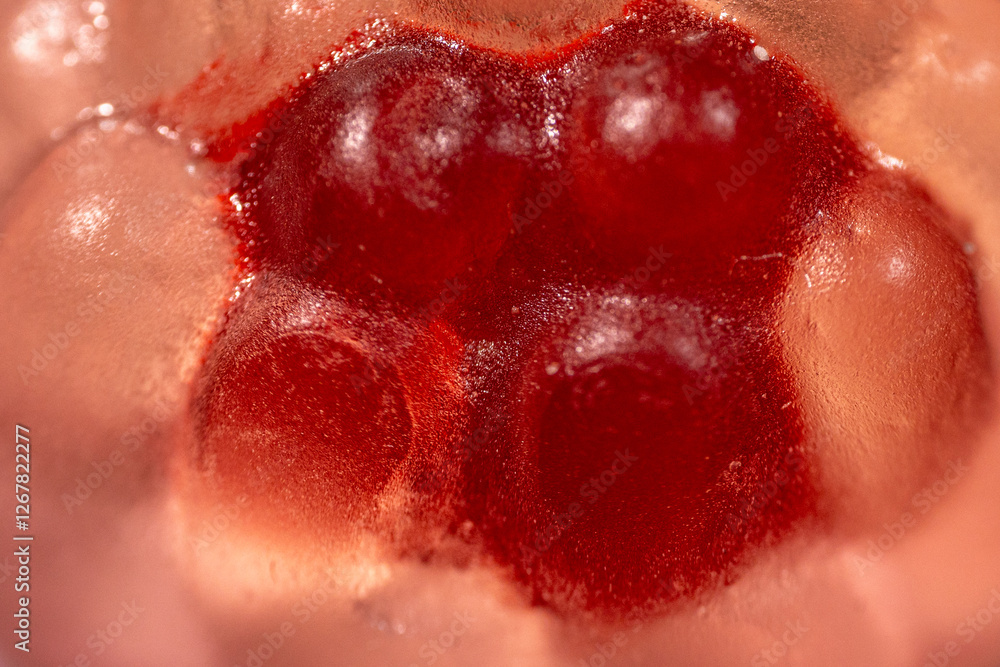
x=537 y=295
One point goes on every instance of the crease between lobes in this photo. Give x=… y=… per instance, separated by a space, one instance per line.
x=538 y=296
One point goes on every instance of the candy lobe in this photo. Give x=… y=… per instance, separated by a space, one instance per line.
x=883 y=304
x=643 y=432
x=552 y=307
x=679 y=135
x=314 y=418
x=406 y=158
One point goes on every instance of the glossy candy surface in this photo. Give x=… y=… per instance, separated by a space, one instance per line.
x=534 y=295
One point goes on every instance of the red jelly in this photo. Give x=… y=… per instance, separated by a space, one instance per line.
x=680 y=132
x=407 y=157
x=317 y=407
x=544 y=303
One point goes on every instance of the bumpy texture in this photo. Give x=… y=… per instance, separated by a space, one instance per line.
x=535 y=296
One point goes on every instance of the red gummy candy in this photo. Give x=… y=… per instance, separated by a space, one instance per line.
x=558 y=279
